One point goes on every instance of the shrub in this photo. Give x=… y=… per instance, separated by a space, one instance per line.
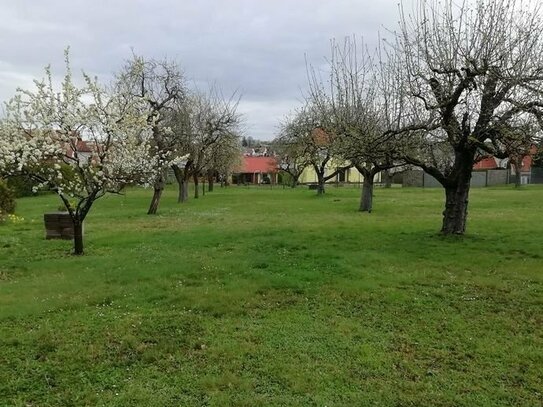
x=7 y=198
x=25 y=186
x=21 y=185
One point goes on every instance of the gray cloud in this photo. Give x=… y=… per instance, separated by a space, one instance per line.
x=255 y=47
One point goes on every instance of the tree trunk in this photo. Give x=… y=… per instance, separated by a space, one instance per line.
x=366 y=199
x=78 y=237
x=185 y=191
x=203 y=186
x=518 y=167
x=156 y=199
x=196 y=191
x=320 y=187
x=294 y=182
x=181 y=190
x=210 y=182
x=456 y=205
x=181 y=184
x=388 y=178
x=157 y=193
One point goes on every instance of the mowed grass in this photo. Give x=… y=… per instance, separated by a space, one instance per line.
x=274 y=297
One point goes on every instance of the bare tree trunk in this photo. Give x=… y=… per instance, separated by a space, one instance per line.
x=203 y=186
x=388 y=178
x=181 y=184
x=294 y=182
x=457 y=187
x=157 y=193
x=456 y=206
x=196 y=191
x=181 y=190
x=366 y=198
x=210 y=181
x=185 y=188
x=78 y=237
x=320 y=187
x=518 y=166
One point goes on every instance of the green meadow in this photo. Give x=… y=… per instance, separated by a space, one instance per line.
x=275 y=297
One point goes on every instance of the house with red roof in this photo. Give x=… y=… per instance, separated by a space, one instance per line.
x=492 y=163
x=256 y=170
x=525 y=170
x=487 y=163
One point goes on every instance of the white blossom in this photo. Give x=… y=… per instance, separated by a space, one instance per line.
x=47 y=133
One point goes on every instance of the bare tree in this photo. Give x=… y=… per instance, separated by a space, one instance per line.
x=323 y=156
x=207 y=122
x=159 y=88
x=518 y=145
x=468 y=73
x=291 y=149
x=353 y=105
x=224 y=156
x=321 y=147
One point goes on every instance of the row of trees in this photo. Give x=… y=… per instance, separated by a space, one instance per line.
x=138 y=128
x=454 y=84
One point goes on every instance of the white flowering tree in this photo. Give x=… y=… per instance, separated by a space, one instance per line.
x=79 y=141
x=157 y=87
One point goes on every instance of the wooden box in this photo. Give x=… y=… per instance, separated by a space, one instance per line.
x=58 y=225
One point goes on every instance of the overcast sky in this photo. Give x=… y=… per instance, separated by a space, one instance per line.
x=257 y=47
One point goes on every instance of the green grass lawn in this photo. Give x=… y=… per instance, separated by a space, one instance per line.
x=260 y=297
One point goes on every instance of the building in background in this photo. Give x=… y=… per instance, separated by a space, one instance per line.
x=258 y=169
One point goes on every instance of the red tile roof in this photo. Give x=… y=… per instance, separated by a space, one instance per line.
x=488 y=163
x=258 y=164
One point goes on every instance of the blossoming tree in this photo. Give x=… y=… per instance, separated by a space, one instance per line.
x=158 y=88
x=42 y=134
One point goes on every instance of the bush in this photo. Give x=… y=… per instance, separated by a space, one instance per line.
x=21 y=185
x=24 y=186
x=7 y=198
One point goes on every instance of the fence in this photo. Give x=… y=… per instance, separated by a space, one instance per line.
x=485 y=178
x=536 y=175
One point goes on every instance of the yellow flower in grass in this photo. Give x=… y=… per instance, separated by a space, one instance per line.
x=12 y=218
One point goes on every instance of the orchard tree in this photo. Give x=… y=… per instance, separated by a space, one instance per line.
x=158 y=88
x=469 y=72
x=321 y=144
x=224 y=157
x=206 y=122
x=292 y=152
x=353 y=105
x=42 y=134
x=519 y=144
